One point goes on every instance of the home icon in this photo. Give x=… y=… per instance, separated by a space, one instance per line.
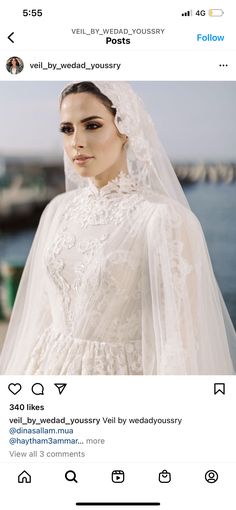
x=24 y=477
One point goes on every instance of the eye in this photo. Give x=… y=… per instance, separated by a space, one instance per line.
x=66 y=129
x=93 y=125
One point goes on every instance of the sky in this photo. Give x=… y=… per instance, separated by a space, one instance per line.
x=195 y=120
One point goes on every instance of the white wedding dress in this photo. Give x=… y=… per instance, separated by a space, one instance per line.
x=80 y=278
x=120 y=272
x=119 y=279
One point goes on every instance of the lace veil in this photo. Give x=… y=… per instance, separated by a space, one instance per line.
x=146 y=157
x=179 y=304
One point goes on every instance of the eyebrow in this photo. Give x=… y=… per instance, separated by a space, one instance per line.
x=92 y=117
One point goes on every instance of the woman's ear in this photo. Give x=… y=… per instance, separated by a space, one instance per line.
x=126 y=138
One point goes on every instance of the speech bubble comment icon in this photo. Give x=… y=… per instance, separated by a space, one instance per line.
x=37 y=389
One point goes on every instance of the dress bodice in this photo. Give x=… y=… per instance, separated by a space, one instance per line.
x=88 y=270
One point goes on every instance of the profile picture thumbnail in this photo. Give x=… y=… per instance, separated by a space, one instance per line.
x=15 y=65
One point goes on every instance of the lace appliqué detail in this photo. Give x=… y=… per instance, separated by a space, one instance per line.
x=87 y=251
x=55 y=264
x=174 y=269
x=57 y=354
x=113 y=204
x=87 y=270
x=109 y=278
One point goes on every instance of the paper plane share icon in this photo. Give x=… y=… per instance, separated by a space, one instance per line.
x=60 y=387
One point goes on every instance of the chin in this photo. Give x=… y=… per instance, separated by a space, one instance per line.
x=83 y=171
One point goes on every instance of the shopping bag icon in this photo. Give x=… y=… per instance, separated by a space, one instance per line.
x=164 y=476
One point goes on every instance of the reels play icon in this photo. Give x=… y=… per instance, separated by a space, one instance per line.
x=117 y=476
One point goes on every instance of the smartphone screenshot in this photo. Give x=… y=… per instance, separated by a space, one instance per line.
x=117 y=255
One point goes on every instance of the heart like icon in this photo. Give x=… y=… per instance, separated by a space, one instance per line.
x=14 y=388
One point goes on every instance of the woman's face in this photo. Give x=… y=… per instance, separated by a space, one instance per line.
x=14 y=62
x=91 y=139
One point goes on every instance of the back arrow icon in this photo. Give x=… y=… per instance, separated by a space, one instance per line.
x=9 y=37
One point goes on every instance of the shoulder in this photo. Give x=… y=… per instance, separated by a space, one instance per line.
x=170 y=213
x=60 y=202
x=55 y=209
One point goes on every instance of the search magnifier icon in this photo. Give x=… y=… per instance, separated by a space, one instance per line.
x=70 y=476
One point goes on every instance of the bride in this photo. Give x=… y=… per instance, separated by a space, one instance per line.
x=118 y=280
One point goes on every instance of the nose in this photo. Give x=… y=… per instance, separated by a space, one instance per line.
x=78 y=140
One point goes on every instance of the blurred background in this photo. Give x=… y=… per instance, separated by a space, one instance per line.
x=196 y=123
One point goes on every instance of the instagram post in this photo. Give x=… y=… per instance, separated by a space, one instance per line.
x=117 y=275
x=117 y=256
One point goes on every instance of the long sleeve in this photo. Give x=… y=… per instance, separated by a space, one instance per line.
x=183 y=317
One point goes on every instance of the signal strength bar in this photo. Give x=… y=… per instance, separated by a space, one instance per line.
x=187 y=13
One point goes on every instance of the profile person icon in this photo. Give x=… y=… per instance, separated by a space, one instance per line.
x=15 y=65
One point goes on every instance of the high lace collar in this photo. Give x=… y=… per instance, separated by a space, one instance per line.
x=123 y=183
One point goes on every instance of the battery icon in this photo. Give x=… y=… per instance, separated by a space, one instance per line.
x=216 y=12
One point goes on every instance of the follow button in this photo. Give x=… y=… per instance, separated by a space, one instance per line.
x=210 y=37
